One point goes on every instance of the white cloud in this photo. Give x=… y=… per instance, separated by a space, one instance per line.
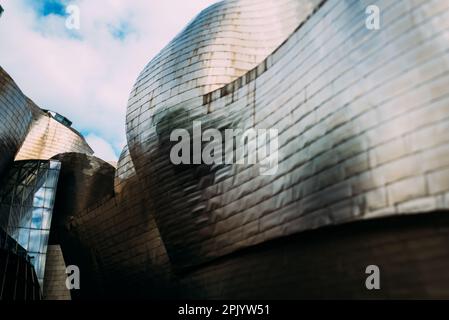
x=101 y=147
x=87 y=75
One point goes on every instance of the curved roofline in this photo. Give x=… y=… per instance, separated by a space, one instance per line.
x=258 y=70
x=47 y=112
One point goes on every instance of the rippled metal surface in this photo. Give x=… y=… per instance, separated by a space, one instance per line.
x=125 y=170
x=47 y=137
x=113 y=228
x=15 y=118
x=220 y=45
x=84 y=181
x=27 y=132
x=361 y=115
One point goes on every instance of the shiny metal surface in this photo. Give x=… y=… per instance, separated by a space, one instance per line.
x=362 y=118
x=124 y=236
x=47 y=137
x=363 y=122
x=221 y=44
x=29 y=133
x=125 y=170
x=84 y=181
x=28 y=189
x=15 y=118
x=55 y=276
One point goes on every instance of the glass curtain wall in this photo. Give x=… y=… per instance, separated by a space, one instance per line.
x=27 y=198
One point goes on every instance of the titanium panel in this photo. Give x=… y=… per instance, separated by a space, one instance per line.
x=361 y=115
x=48 y=137
x=16 y=118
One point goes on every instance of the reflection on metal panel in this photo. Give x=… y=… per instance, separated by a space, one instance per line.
x=84 y=181
x=55 y=275
x=29 y=133
x=125 y=170
x=27 y=192
x=49 y=137
x=221 y=44
x=15 y=119
x=361 y=115
x=26 y=206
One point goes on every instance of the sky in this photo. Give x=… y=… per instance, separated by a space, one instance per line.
x=86 y=74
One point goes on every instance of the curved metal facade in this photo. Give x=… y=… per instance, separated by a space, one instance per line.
x=47 y=137
x=27 y=191
x=221 y=44
x=361 y=117
x=125 y=170
x=29 y=133
x=111 y=229
x=363 y=122
x=16 y=117
x=85 y=181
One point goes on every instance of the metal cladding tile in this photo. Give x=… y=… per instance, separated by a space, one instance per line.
x=48 y=137
x=15 y=118
x=339 y=125
x=190 y=37
x=354 y=115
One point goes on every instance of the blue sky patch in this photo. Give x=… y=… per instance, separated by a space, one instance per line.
x=121 y=30
x=48 y=7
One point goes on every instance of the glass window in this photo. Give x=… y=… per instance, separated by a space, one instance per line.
x=4 y=215
x=44 y=241
x=26 y=205
x=34 y=242
x=26 y=198
x=7 y=198
x=36 y=221
x=38 y=200
x=48 y=200
x=55 y=165
x=41 y=270
x=24 y=237
x=26 y=217
x=32 y=256
x=46 y=218
x=52 y=179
